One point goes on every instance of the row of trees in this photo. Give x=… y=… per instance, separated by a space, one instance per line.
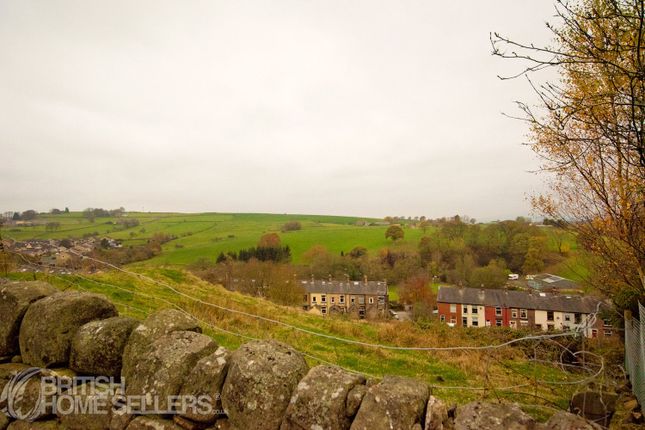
x=31 y=214
x=27 y=215
x=56 y=211
x=514 y=245
x=269 y=248
x=92 y=213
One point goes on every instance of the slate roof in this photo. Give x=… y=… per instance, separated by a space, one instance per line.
x=548 y=281
x=518 y=299
x=376 y=288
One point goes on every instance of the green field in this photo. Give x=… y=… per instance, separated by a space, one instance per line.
x=206 y=235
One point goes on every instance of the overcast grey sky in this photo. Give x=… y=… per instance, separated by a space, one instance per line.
x=331 y=107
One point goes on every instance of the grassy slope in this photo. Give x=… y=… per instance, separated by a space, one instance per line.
x=205 y=235
x=440 y=369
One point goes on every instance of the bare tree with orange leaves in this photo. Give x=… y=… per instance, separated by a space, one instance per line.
x=589 y=130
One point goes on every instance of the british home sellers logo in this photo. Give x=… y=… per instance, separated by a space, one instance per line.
x=32 y=393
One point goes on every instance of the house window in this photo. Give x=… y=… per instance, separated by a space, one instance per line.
x=606 y=323
x=475 y=322
x=550 y=327
x=323 y=310
x=524 y=323
x=567 y=317
x=464 y=322
x=498 y=323
x=578 y=318
x=514 y=313
x=342 y=299
x=498 y=311
x=453 y=320
x=323 y=298
x=361 y=300
x=549 y=315
x=442 y=318
x=381 y=300
x=474 y=309
x=333 y=299
x=513 y=324
x=371 y=300
x=353 y=300
x=453 y=307
x=523 y=314
x=305 y=297
x=313 y=299
x=465 y=308
x=607 y=333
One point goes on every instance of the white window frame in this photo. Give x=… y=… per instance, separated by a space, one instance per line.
x=453 y=308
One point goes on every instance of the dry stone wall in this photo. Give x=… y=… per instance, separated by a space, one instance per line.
x=263 y=385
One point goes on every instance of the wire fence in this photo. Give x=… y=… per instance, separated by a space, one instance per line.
x=585 y=367
x=635 y=353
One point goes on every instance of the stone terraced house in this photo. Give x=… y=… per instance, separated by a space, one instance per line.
x=361 y=299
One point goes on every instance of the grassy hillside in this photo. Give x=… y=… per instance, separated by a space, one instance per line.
x=208 y=234
x=465 y=375
x=457 y=376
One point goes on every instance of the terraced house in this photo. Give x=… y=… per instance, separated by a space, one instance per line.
x=473 y=307
x=361 y=299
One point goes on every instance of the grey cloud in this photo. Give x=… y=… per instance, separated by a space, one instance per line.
x=341 y=107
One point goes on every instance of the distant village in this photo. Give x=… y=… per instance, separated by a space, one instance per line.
x=53 y=254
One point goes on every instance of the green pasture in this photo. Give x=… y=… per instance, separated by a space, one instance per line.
x=206 y=235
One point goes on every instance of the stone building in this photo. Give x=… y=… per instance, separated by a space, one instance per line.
x=361 y=299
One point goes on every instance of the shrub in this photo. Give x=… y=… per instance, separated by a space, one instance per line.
x=291 y=226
